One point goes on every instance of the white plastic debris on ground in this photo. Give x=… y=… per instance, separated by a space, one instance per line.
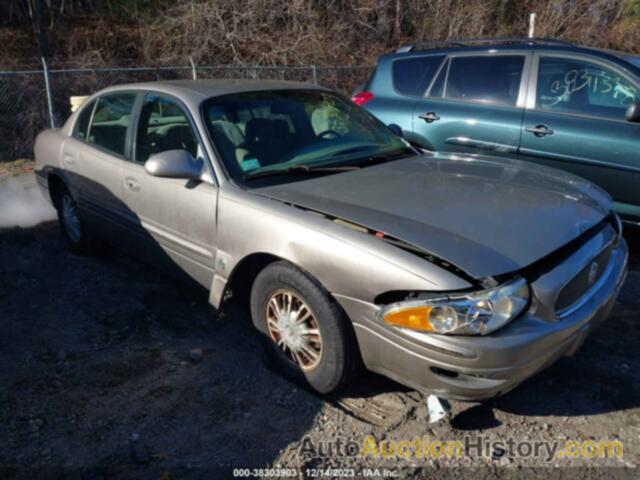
x=437 y=409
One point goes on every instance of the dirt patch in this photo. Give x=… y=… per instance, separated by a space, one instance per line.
x=16 y=167
x=96 y=352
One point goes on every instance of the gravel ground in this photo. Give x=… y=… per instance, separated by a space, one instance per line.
x=112 y=370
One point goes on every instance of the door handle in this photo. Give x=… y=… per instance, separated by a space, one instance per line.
x=429 y=117
x=539 y=130
x=68 y=159
x=132 y=184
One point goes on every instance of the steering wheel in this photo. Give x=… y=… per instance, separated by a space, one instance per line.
x=329 y=134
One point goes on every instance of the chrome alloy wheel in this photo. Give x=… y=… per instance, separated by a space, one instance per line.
x=71 y=219
x=294 y=328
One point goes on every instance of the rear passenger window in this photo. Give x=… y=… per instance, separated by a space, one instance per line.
x=411 y=76
x=486 y=79
x=110 y=121
x=163 y=126
x=82 y=124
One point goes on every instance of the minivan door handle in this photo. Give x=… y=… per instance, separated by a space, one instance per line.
x=132 y=184
x=429 y=117
x=539 y=130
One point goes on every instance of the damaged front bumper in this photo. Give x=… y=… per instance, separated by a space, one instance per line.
x=480 y=367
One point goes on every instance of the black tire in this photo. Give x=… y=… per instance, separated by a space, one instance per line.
x=82 y=241
x=340 y=358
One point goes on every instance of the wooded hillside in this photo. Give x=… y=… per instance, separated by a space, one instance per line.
x=269 y=32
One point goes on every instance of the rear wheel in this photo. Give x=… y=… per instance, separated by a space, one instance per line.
x=77 y=235
x=305 y=334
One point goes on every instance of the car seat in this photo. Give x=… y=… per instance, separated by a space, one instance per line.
x=230 y=140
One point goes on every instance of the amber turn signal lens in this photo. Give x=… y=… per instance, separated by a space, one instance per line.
x=416 y=318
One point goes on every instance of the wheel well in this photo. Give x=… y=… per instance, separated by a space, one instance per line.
x=55 y=183
x=244 y=274
x=238 y=289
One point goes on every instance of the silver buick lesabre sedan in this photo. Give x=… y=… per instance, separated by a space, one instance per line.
x=459 y=276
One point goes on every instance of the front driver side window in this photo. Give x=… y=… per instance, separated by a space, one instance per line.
x=163 y=126
x=580 y=87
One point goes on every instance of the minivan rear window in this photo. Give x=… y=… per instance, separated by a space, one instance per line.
x=411 y=76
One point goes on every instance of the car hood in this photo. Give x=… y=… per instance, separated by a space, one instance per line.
x=487 y=216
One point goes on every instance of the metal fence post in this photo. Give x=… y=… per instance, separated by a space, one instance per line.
x=194 y=73
x=47 y=84
x=314 y=72
x=532 y=25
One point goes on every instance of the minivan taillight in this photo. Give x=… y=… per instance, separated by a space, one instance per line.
x=361 y=98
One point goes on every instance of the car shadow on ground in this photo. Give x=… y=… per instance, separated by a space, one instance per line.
x=113 y=367
x=95 y=350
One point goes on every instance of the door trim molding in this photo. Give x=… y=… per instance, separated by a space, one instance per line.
x=481 y=144
x=584 y=161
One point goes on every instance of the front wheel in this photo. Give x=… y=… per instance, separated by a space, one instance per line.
x=304 y=332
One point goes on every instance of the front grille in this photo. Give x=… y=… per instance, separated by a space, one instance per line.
x=573 y=291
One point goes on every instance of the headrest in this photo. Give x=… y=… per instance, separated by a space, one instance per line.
x=258 y=129
x=230 y=130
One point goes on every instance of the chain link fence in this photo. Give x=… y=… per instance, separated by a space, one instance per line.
x=24 y=95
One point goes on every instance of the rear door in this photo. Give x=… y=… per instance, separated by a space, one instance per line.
x=575 y=121
x=93 y=157
x=475 y=103
x=173 y=219
x=74 y=151
x=397 y=84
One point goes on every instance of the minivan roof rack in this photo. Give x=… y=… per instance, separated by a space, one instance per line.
x=433 y=44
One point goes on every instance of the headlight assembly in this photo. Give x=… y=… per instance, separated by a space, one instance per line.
x=475 y=313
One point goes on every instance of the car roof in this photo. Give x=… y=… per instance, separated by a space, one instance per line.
x=625 y=59
x=194 y=91
x=409 y=50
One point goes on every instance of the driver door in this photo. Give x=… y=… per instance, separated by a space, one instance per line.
x=174 y=219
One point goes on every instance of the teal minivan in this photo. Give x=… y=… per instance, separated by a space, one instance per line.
x=541 y=100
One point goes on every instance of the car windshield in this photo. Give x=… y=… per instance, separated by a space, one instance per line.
x=269 y=133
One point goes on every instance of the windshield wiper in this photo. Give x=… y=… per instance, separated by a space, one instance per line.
x=378 y=158
x=308 y=170
x=387 y=157
x=301 y=169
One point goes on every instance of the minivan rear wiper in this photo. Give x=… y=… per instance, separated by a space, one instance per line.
x=301 y=169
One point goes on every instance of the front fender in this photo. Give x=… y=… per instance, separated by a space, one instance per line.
x=347 y=262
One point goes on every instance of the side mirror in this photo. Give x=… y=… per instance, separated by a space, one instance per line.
x=174 y=164
x=633 y=112
x=395 y=128
x=417 y=141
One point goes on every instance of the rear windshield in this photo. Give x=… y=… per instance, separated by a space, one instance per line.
x=411 y=76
